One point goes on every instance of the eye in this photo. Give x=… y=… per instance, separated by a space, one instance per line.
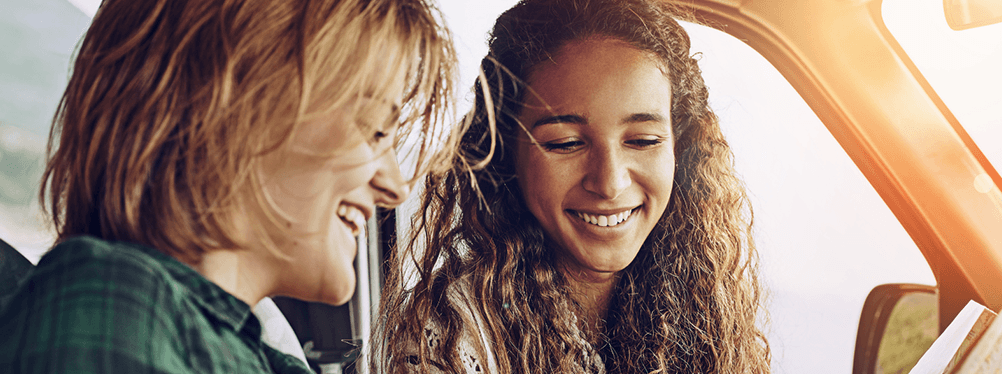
x=644 y=143
x=563 y=146
x=383 y=133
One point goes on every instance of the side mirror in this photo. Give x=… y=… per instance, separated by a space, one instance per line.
x=966 y=14
x=898 y=324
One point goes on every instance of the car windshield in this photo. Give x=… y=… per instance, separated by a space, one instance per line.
x=963 y=67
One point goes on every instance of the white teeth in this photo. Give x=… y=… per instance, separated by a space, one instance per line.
x=605 y=221
x=353 y=217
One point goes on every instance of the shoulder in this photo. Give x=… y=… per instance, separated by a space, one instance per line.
x=472 y=344
x=87 y=267
x=83 y=268
x=92 y=302
x=93 y=253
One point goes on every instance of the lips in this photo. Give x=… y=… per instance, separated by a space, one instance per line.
x=353 y=217
x=605 y=220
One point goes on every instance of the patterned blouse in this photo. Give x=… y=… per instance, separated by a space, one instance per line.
x=473 y=339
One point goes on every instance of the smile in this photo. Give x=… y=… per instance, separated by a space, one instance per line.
x=605 y=221
x=352 y=217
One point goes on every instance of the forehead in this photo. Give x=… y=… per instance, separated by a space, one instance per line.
x=598 y=75
x=377 y=82
x=594 y=54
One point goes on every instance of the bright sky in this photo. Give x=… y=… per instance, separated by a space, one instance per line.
x=88 y=7
x=962 y=66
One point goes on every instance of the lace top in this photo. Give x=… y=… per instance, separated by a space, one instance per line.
x=473 y=337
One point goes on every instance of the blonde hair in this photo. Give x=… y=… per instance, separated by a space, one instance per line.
x=172 y=103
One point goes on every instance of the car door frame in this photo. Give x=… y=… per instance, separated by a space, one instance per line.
x=845 y=64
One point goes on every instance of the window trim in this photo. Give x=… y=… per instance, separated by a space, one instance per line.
x=890 y=122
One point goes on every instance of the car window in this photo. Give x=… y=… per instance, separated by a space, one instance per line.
x=37 y=39
x=825 y=237
x=961 y=66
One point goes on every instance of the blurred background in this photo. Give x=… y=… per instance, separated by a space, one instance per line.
x=825 y=236
x=37 y=38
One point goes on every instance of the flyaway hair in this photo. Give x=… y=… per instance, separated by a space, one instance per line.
x=688 y=303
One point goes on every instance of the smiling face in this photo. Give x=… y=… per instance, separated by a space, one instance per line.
x=323 y=186
x=599 y=174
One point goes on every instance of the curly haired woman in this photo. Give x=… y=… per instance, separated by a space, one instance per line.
x=606 y=230
x=209 y=153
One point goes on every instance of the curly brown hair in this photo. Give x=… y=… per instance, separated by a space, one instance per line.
x=688 y=303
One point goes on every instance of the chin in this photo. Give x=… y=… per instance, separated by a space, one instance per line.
x=610 y=268
x=611 y=262
x=339 y=293
x=338 y=301
x=331 y=292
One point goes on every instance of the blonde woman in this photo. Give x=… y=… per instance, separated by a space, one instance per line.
x=608 y=231
x=207 y=154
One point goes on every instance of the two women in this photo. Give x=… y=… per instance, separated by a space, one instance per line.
x=207 y=154
x=607 y=231
x=212 y=153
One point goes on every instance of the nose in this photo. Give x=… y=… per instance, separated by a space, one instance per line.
x=607 y=175
x=390 y=186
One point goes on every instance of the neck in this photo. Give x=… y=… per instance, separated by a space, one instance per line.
x=593 y=291
x=230 y=270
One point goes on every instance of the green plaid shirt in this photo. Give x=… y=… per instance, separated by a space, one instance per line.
x=92 y=306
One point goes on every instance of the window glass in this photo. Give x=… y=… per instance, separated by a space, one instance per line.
x=37 y=38
x=962 y=66
x=824 y=235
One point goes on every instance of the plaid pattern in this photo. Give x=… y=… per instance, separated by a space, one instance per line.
x=13 y=267
x=92 y=306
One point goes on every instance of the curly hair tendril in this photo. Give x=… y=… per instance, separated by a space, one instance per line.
x=688 y=303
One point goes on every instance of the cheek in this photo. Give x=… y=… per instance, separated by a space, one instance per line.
x=353 y=169
x=304 y=187
x=296 y=188
x=660 y=180
x=545 y=182
x=352 y=179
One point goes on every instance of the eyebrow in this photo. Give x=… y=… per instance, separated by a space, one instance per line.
x=645 y=117
x=393 y=105
x=394 y=109
x=578 y=119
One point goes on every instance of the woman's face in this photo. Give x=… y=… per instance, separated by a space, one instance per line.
x=599 y=174
x=324 y=201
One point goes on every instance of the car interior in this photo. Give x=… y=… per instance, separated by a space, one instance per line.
x=871 y=97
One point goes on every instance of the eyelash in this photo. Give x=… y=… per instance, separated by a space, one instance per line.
x=646 y=143
x=378 y=135
x=563 y=146
x=570 y=146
